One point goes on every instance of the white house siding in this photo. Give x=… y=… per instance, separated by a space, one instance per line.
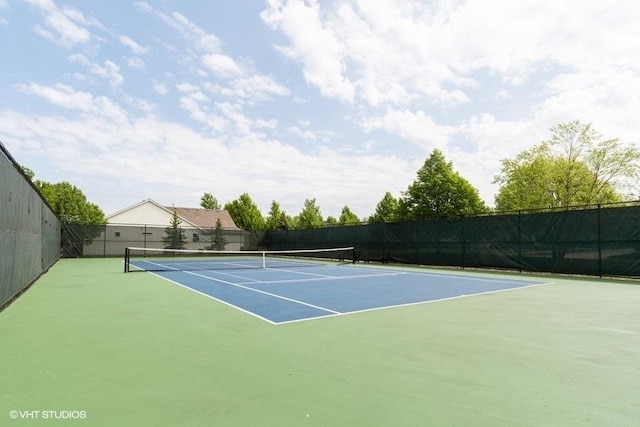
x=145 y=213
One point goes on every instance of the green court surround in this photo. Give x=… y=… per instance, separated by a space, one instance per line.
x=136 y=350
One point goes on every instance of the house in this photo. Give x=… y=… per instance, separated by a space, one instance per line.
x=144 y=225
x=151 y=213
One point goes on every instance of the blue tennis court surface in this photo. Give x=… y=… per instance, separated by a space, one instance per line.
x=282 y=295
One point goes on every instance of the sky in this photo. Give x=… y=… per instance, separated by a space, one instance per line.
x=339 y=101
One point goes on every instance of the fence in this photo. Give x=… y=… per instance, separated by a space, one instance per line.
x=29 y=231
x=81 y=240
x=604 y=241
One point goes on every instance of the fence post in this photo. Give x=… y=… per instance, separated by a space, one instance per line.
x=599 y=244
x=384 y=243
x=104 y=247
x=463 y=242
x=520 y=241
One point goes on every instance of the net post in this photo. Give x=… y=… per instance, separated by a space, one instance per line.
x=353 y=255
x=264 y=259
x=126 y=260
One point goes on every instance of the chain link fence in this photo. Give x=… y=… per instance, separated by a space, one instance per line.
x=110 y=240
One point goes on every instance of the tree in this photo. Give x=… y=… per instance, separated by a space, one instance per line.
x=310 y=215
x=386 y=210
x=174 y=237
x=347 y=217
x=277 y=219
x=245 y=213
x=70 y=204
x=440 y=192
x=28 y=173
x=575 y=167
x=207 y=201
x=219 y=241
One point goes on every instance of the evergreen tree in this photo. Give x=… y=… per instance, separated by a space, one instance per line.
x=174 y=237
x=207 y=201
x=219 y=241
x=277 y=219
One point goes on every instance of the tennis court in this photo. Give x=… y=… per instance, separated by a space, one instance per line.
x=108 y=348
x=282 y=289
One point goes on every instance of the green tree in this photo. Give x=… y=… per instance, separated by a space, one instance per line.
x=386 y=210
x=310 y=215
x=440 y=192
x=207 y=201
x=347 y=217
x=70 y=204
x=174 y=237
x=285 y=222
x=28 y=173
x=575 y=167
x=277 y=219
x=219 y=241
x=331 y=220
x=245 y=213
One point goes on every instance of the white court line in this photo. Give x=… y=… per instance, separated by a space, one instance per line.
x=347 y=313
x=250 y=280
x=456 y=275
x=387 y=272
x=302 y=272
x=324 y=278
x=228 y=304
x=264 y=292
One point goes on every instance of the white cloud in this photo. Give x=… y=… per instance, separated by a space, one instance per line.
x=63 y=26
x=84 y=102
x=254 y=88
x=240 y=79
x=136 y=48
x=481 y=81
x=110 y=71
x=160 y=88
x=61 y=95
x=204 y=162
x=401 y=52
x=312 y=43
x=316 y=135
x=222 y=65
x=416 y=127
x=135 y=62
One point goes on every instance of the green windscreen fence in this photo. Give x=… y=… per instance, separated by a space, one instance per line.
x=29 y=231
x=599 y=241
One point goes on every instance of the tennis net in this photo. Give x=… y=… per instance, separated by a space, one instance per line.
x=148 y=259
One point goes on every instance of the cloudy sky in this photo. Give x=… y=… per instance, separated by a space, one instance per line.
x=337 y=100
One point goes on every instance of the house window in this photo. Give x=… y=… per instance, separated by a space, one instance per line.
x=196 y=238
x=117 y=234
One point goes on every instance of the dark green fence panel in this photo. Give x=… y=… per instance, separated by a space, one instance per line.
x=29 y=231
x=620 y=242
x=598 y=241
